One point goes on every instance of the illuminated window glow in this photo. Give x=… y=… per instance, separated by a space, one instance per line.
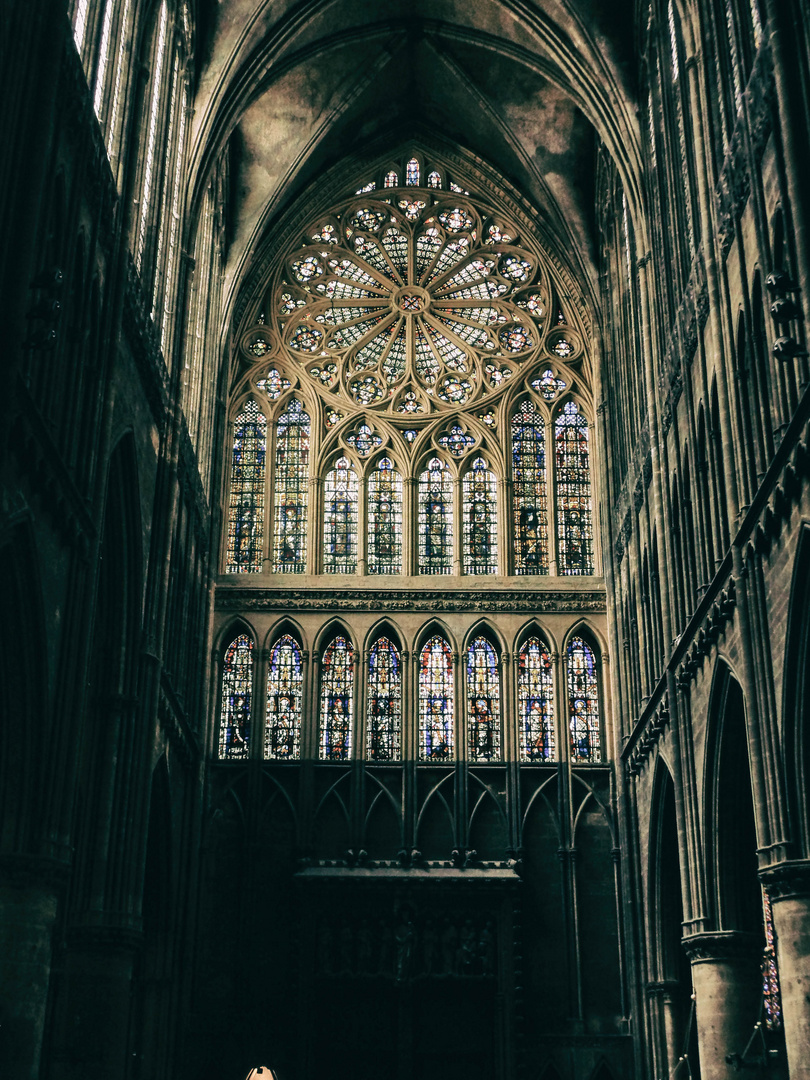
x=285 y=676
x=535 y=702
x=237 y=689
x=246 y=503
x=436 y=701
x=384 y=708
x=337 y=695
x=583 y=702
x=483 y=702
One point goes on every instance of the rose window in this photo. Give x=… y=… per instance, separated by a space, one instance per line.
x=403 y=300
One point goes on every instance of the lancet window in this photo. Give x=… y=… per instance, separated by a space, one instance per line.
x=340 y=519
x=583 y=701
x=436 y=519
x=246 y=503
x=574 y=510
x=282 y=732
x=483 y=701
x=384 y=704
x=436 y=741
x=535 y=702
x=337 y=698
x=529 y=480
x=237 y=691
x=480 y=511
x=291 y=490
x=385 y=519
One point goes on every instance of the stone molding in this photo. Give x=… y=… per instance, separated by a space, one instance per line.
x=516 y=600
x=721 y=945
x=21 y=871
x=787 y=880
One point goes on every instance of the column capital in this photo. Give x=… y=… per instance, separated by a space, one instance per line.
x=720 y=945
x=787 y=880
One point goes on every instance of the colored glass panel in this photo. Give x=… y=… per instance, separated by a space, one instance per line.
x=574 y=510
x=480 y=520
x=535 y=702
x=583 y=702
x=771 y=995
x=412 y=173
x=291 y=490
x=246 y=501
x=285 y=676
x=436 y=519
x=384 y=707
x=340 y=519
x=337 y=690
x=436 y=701
x=385 y=519
x=237 y=689
x=483 y=701
x=530 y=502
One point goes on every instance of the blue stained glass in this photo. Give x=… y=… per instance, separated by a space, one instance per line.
x=583 y=702
x=385 y=519
x=480 y=520
x=530 y=505
x=574 y=511
x=384 y=716
x=282 y=732
x=535 y=702
x=291 y=490
x=340 y=524
x=436 y=701
x=337 y=694
x=246 y=502
x=456 y=441
x=237 y=690
x=412 y=173
x=436 y=519
x=483 y=701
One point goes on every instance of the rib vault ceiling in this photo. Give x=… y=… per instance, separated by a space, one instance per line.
x=292 y=89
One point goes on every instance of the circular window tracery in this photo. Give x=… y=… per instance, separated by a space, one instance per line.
x=403 y=295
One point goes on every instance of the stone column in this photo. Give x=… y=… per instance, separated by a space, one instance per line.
x=728 y=995
x=788 y=886
x=666 y=1026
x=94 y=1037
x=28 y=902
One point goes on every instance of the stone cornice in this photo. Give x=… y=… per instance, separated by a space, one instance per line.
x=338 y=599
x=721 y=945
x=787 y=880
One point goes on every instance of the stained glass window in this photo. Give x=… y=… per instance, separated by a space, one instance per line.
x=583 y=702
x=391 y=179
x=340 y=519
x=246 y=502
x=772 y=999
x=574 y=512
x=237 y=689
x=480 y=520
x=483 y=701
x=282 y=732
x=535 y=702
x=149 y=156
x=412 y=173
x=436 y=519
x=337 y=692
x=436 y=701
x=530 y=505
x=384 y=519
x=434 y=180
x=291 y=490
x=384 y=714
